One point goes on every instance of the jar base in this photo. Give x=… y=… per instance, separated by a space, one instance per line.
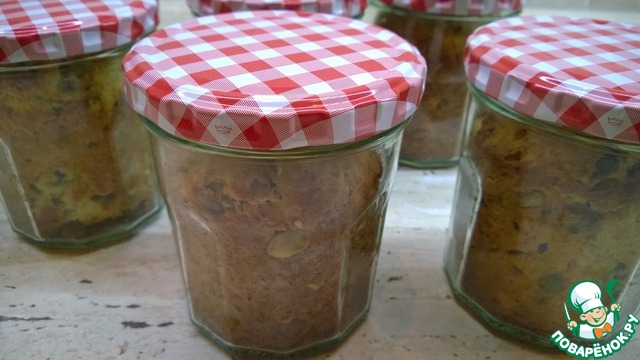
x=304 y=352
x=94 y=242
x=495 y=324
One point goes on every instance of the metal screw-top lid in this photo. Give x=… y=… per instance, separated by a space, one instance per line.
x=34 y=30
x=579 y=73
x=272 y=80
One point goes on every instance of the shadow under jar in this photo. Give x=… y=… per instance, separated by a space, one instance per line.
x=549 y=190
x=76 y=168
x=434 y=136
x=277 y=179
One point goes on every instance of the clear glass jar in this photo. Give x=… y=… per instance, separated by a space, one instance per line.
x=76 y=167
x=278 y=249
x=540 y=208
x=434 y=136
x=276 y=160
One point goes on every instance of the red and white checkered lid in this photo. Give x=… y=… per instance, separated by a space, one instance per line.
x=349 y=8
x=580 y=73
x=33 y=30
x=274 y=80
x=460 y=7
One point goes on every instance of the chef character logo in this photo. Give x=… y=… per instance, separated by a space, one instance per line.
x=596 y=320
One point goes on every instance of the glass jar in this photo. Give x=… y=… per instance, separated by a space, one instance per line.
x=549 y=187
x=279 y=249
x=75 y=164
x=276 y=165
x=349 y=8
x=434 y=135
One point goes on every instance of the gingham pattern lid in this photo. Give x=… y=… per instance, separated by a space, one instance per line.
x=579 y=73
x=272 y=80
x=336 y=7
x=33 y=30
x=460 y=7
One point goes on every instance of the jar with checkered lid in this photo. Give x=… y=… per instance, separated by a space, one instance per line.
x=276 y=137
x=549 y=189
x=348 y=8
x=438 y=28
x=75 y=168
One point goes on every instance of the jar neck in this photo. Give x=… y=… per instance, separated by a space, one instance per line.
x=407 y=11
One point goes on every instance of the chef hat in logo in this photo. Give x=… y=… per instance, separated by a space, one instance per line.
x=586 y=296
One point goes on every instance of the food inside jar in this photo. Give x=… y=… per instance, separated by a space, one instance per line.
x=555 y=210
x=76 y=161
x=278 y=254
x=435 y=131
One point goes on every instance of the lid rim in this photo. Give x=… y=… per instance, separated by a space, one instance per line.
x=587 y=93
x=303 y=152
x=503 y=109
